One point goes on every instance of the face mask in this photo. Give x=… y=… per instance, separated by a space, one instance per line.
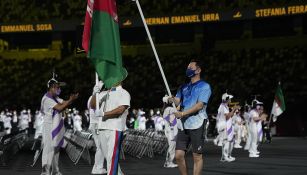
x=58 y=92
x=190 y=73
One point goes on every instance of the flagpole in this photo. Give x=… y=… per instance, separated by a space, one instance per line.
x=97 y=101
x=153 y=48
x=179 y=123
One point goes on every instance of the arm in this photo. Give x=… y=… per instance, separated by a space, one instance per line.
x=194 y=109
x=115 y=113
x=260 y=117
x=93 y=102
x=61 y=106
x=230 y=114
x=175 y=100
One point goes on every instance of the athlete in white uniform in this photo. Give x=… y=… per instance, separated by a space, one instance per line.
x=220 y=124
x=142 y=122
x=248 y=128
x=238 y=124
x=226 y=127
x=113 y=114
x=99 y=156
x=171 y=131
x=159 y=122
x=77 y=119
x=7 y=123
x=38 y=124
x=53 y=126
x=23 y=120
x=255 y=119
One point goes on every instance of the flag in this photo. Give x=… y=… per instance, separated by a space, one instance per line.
x=101 y=41
x=279 y=103
x=87 y=25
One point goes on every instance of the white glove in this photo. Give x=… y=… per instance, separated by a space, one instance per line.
x=165 y=99
x=97 y=87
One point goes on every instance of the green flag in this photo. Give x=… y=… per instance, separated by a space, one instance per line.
x=279 y=105
x=104 y=46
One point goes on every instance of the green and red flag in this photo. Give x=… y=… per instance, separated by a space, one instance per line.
x=101 y=41
x=279 y=105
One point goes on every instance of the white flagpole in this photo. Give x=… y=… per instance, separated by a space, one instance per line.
x=153 y=47
x=179 y=124
x=97 y=102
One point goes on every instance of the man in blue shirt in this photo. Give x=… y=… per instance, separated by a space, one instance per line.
x=193 y=99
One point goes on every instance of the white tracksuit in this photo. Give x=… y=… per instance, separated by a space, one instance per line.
x=111 y=130
x=159 y=123
x=227 y=131
x=254 y=131
x=99 y=156
x=220 y=126
x=7 y=124
x=77 y=122
x=142 y=123
x=238 y=129
x=50 y=156
x=171 y=131
x=248 y=127
x=38 y=125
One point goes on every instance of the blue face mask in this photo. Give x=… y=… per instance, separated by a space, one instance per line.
x=190 y=73
x=58 y=92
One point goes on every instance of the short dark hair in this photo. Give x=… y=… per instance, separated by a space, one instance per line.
x=198 y=62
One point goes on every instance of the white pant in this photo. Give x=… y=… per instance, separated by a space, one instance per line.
x=221 y=127
x=99 y=156
x=249 y=138
x=50 y=156
x=227 y=148
x=238 y=134
x=254 y=138
x=170 y=155
x=110 y=143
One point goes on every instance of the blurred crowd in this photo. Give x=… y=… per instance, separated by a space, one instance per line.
x=244 y=72
x=14 y=121
x=40 y=10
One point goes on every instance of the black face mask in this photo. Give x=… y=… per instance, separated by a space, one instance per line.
x=190 y=73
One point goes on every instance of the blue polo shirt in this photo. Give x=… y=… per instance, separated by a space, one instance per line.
x=190 y=94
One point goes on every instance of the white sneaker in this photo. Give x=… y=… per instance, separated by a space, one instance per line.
x=220 y=144
x=215 y=141
x=104 y=171
x=227 y=159
x=172 y=165
x=253 y=155
x=99 y=171
x=237 y=146
x=232 y=158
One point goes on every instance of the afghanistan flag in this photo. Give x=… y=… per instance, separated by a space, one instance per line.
x=279 y=103
x=101 y=41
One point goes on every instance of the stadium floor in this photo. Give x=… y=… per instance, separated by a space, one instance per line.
x=282 y=156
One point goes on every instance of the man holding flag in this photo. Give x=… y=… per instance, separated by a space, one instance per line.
x=102 y=44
